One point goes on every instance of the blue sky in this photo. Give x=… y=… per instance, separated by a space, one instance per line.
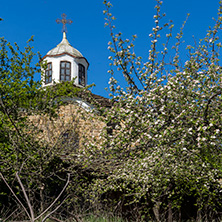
x=25 y=18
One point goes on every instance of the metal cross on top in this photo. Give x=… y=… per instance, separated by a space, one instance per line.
x=64 y=21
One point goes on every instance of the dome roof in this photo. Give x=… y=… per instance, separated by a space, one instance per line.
x=64 y=47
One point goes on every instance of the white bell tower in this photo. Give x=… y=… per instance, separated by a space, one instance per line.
x=65 y=63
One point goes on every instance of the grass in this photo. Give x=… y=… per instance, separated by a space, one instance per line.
x=93 y=218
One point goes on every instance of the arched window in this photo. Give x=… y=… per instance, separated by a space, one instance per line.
x=82 y=75
x=48 y=73
x=65 y=71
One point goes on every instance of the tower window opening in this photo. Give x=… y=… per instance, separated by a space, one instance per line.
x=82 y=75
x=48 y=73
x=65 y=71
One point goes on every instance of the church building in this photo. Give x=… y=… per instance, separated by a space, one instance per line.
x=76 y=119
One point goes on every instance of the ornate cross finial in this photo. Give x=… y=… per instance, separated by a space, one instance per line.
x=64 y=21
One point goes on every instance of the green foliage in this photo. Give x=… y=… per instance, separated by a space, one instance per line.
x=22 y=149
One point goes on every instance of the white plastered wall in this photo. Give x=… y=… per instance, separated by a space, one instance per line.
x=74 y=68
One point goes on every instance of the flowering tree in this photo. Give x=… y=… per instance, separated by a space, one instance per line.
x=161 y=152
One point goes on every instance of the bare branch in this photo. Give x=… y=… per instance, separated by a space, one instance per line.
x=54 y=210
x=6 y=219
x=15 y=195
x=55 y=199
x=26 y=197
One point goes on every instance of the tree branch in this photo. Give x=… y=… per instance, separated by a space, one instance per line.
x=15 y=196
x=208 y=103
x=55 y=199
x=54 y=210
x=26 y=197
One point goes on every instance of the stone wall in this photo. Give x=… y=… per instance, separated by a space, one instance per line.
x=72 y=124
